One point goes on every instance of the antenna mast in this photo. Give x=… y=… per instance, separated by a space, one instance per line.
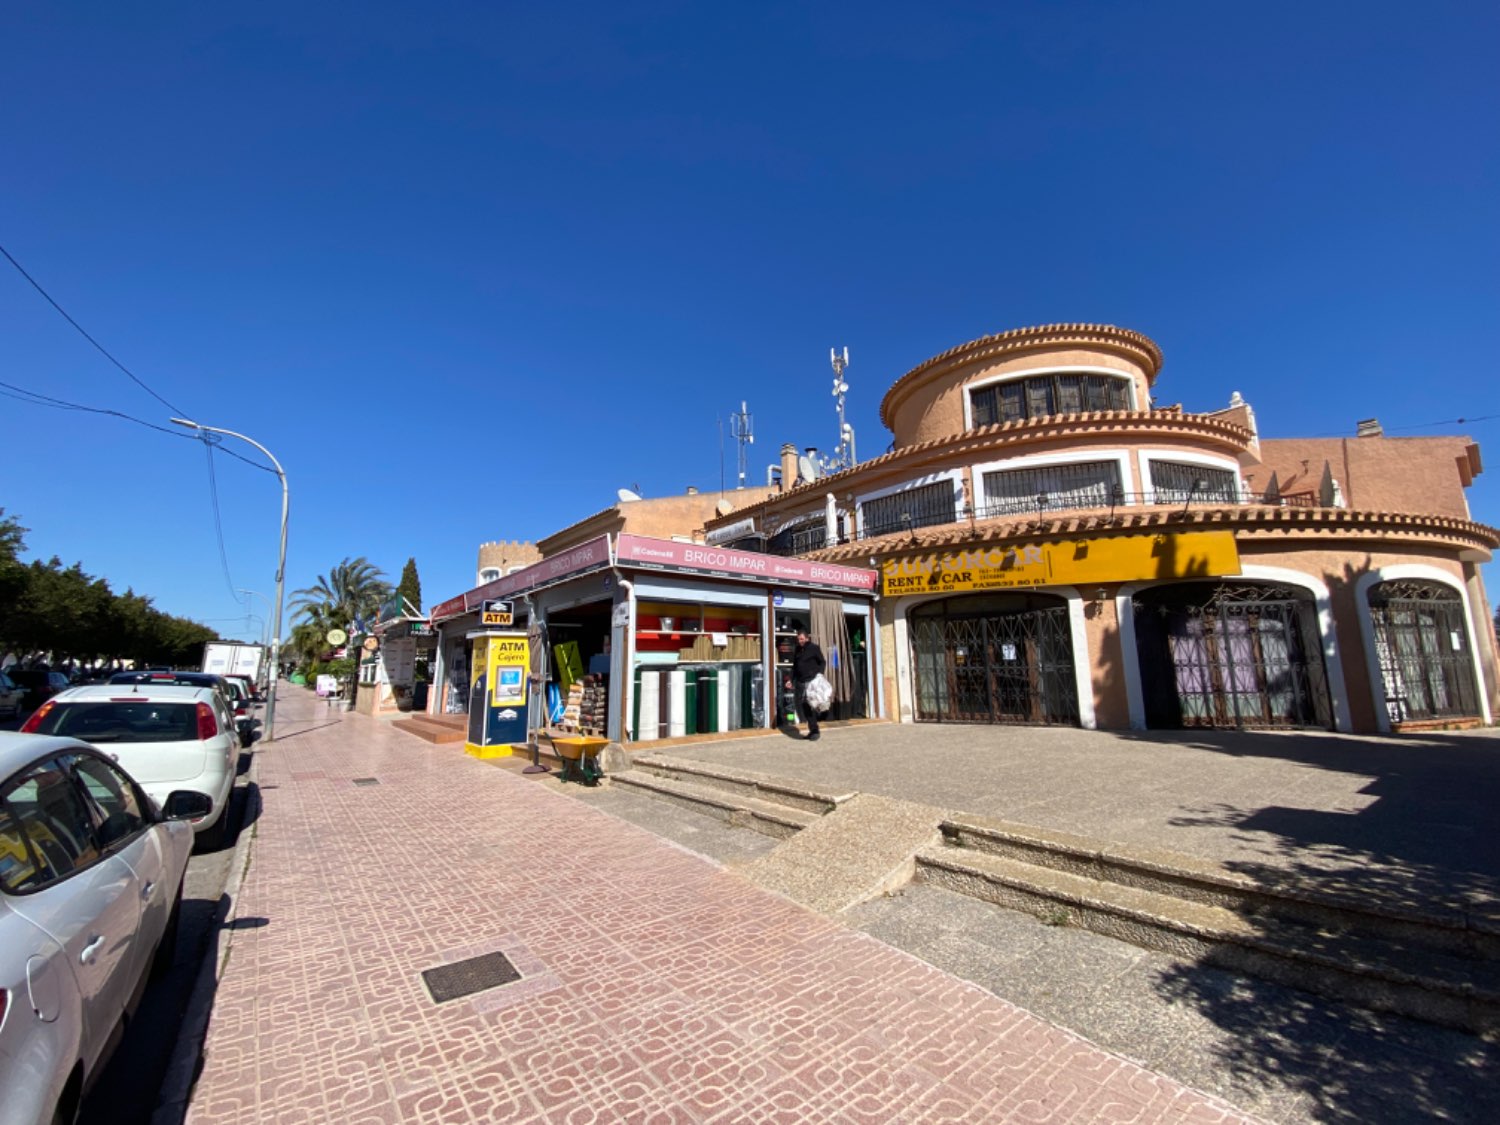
x=741 y=426
x=845 y=457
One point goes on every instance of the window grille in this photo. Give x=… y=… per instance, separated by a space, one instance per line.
x=1070 y=392
x=925 y=506
x=1422 y=643
x=1177 y=483
x=1087 y=484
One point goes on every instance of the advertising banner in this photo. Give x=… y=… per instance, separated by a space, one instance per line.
x=1127 y=558
x=593 y=555
x=721 y=562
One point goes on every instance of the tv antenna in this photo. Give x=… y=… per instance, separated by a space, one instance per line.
x=845 y=456
x=741 y=426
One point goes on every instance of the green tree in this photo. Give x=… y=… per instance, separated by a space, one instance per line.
x=353 y=588
x=410 y=586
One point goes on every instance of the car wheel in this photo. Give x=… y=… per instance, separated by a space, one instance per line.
x=166 y=950
x=212 y=839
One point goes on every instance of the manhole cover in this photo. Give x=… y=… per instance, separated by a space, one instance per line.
x=367 y=781
x=464 y=978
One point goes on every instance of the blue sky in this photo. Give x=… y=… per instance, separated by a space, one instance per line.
x=468 y=268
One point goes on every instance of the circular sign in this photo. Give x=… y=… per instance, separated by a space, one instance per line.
x=337 y=636
x=371 y=644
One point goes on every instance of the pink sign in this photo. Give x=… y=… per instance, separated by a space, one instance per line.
x=589 y=556
x=665 y=554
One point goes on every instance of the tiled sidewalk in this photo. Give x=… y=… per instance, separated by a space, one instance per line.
x=656 y=986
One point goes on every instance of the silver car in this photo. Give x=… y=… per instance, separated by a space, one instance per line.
x=91 y=876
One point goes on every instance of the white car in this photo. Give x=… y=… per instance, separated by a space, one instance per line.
x=12 y=695
x=167 y=737
x=91 y=878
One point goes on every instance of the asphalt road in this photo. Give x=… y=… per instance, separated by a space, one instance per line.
x=127 y=1090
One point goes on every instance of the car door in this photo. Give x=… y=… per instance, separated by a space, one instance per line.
x=87 y=901
x=124 y=830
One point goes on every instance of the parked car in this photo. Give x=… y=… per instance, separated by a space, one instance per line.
x=236 y=698
x=256 y=695
x=91 y=875
x=169 y=737
x=39 y=684
x=12 y=695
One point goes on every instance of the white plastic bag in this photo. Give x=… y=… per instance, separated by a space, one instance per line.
x=818 y=693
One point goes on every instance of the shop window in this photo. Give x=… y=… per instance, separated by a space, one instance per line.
x=1052 y=488
x=1177 y=483
x=1037 y=396
x=925 y=506
x=698 y=669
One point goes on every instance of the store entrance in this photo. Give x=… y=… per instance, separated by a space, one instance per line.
x=576 y=696
x=994 y=659
x=1230 y=654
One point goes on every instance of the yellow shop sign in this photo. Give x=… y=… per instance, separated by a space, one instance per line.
x=1070 y=562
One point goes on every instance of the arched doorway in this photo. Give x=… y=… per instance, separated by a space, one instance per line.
x=1000 y=658
x=1230 y=654
x=1422 y=645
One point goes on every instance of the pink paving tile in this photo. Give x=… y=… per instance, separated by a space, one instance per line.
x=655 y=986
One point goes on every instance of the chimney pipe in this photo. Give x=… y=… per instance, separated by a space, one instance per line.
x=1369 y=427
x=788 y=467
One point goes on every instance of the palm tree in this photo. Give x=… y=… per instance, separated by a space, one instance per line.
x=355 y=588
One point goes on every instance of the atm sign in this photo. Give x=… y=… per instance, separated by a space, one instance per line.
x=495 y=612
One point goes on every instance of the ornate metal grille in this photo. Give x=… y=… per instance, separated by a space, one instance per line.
x=1422 y=644
x=1230 y=655
x=1053 y=488
x=1176 y=483
x=1014 y=667
x=1067 y=393
x=926 y=506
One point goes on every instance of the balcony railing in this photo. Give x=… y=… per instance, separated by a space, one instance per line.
x=920 y=515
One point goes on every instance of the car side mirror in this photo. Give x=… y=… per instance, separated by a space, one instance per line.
x=184 y=804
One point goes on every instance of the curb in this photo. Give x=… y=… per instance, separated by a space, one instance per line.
x=176 y=1092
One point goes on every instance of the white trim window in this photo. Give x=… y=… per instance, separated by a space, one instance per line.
x=926 y=505
x=1184 y=482
x=1052 y=488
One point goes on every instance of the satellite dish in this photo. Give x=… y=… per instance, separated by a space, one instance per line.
x=626 y=495
x=807 y=469
x=723 y=507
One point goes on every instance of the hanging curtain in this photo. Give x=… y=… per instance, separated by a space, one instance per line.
x=832 y=636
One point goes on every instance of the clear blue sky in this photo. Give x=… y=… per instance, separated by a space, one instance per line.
x=468 y=268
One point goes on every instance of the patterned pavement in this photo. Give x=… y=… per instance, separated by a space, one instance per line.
x=655 y=985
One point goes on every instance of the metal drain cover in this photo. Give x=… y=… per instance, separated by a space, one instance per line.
x=367 y=781
x=464 y=978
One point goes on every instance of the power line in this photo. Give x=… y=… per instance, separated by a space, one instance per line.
x=82 y=332
x=213 y=493
x=36 y=398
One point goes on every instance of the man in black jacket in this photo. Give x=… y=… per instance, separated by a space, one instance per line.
x=807 y=662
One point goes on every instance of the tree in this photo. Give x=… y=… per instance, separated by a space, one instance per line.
x=410 y=586
x=355 y=588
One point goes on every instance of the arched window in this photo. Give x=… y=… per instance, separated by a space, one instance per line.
x=488 y=574
x=1422 y=643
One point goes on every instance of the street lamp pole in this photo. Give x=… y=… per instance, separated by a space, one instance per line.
x=262 y=597
x=280 y=566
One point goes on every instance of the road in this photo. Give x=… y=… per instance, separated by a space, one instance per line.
x=127 y=1090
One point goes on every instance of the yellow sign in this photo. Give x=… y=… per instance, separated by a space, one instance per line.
x=510 y=664
x=496 y=613
x=1126 y=558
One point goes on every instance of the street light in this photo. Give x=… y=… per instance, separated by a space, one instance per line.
x=280 y=565
x=262 y=597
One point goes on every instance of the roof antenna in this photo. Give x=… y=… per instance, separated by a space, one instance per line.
x=845 y=457
x=741 y=425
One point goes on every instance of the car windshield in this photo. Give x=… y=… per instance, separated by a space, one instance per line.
x=110 y=721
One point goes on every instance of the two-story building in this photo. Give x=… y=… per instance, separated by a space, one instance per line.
x=1056 y=548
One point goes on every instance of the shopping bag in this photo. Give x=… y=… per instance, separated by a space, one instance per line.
x=818 y=693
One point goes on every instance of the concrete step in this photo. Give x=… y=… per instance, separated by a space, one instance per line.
x=769 y=818
x=430 y=729
x=1470 y=929
x=1380 y=973
x=791 y=794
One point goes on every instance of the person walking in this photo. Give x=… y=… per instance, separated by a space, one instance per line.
x=807 y=663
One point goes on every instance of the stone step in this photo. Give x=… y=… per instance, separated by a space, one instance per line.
x=769 y=818
x=1468 y=930
x=1373 y=972
x=431 y=730
x=791 y=794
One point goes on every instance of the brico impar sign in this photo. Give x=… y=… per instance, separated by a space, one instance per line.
x=1127 y=558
